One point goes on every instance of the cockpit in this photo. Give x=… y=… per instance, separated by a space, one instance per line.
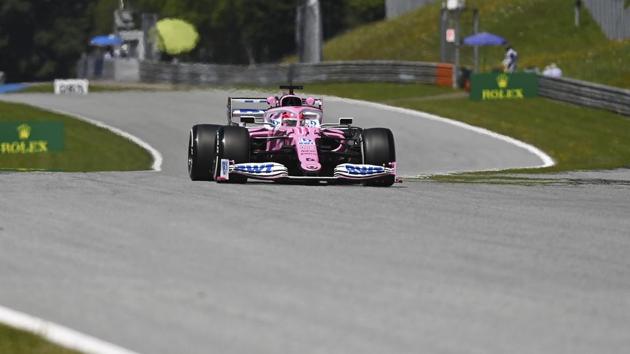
x=290 y=101
x=286 y=118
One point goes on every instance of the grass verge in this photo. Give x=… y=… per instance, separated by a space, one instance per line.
x=577 y=138
x=87 y=148
x=14 y=341
x=379 y=91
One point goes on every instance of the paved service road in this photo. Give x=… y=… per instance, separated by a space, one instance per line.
x=158 y=264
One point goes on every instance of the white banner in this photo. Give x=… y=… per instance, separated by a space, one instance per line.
x=77 y=86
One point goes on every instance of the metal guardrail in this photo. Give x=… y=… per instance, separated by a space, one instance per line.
x=562 y=89
x=585 y=93
x=270 y=74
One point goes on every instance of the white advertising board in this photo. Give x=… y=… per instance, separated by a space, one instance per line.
x=75 y=86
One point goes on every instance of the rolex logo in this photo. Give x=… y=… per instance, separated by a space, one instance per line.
x=24 y=132
x=503 y=80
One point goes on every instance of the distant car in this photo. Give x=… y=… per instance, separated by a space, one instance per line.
x=288 y=140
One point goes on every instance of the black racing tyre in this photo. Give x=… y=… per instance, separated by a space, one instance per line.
x=202 y=147
x=379 y=149
x=234 y=145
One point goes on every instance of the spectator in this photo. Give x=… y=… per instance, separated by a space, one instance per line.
x=124 y=50
x=510 y=61
x=108 y=54
x=552 y=70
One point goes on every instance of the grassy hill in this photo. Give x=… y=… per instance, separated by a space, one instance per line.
x=542 y=31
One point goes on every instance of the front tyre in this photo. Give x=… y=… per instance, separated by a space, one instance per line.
x=379 y=149
x=202 y=146
x=233 y=144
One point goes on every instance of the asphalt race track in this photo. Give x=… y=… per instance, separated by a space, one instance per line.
x=159 y=264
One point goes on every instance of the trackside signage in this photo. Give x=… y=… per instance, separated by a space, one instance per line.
x=76 y=86
x=502 y=86
x=19 y=138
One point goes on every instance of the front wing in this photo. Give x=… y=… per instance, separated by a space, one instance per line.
x=276 y=171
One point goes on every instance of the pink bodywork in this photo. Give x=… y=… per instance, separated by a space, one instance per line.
x=301 y=128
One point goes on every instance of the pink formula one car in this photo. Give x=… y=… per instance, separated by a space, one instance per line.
x=287 y=140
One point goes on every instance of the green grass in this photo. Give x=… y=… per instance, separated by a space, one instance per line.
x=379 y=91
x=497 y=178
x=577 y=138
x=14 y=341
x=87 y=147
x=542 y=31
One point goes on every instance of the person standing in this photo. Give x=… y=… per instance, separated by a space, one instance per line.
x=510 y=61
x=552 y=70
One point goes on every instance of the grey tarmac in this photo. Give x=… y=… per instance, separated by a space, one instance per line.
x=158 y=264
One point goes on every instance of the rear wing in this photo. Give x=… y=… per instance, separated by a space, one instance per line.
x=234 y=114
x=256 y=108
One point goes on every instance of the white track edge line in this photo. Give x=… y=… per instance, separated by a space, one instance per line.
x=547 y=161
x=156 y=155
x=59 y=335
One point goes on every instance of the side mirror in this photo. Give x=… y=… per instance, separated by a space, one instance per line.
x=248 y=119
x=345 y=121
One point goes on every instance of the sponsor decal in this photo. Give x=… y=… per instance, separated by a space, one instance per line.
x=502 y=86
x=275 y=122
x=263 y=170
x=364 y=170
x=225 y=167
x=255 y=168
x=306 y=141
x=312 y=123
x=31 y=138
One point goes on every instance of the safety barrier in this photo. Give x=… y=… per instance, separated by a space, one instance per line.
x=270 y=74
x=562 y=89
x=585 y=93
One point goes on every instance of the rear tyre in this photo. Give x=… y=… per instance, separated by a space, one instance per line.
x=202 y=147
x=233 y=144
x=379 y=149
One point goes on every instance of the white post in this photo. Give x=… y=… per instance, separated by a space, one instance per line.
x=309 y=31
x=475 y=31
x=457 y=49
x=578 y=7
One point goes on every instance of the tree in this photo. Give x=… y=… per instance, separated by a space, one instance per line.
x=42 y=40
x=340 y=16
x=266 y=28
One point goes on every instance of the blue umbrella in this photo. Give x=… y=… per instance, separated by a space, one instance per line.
x=484 y=38
x=105 y=41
